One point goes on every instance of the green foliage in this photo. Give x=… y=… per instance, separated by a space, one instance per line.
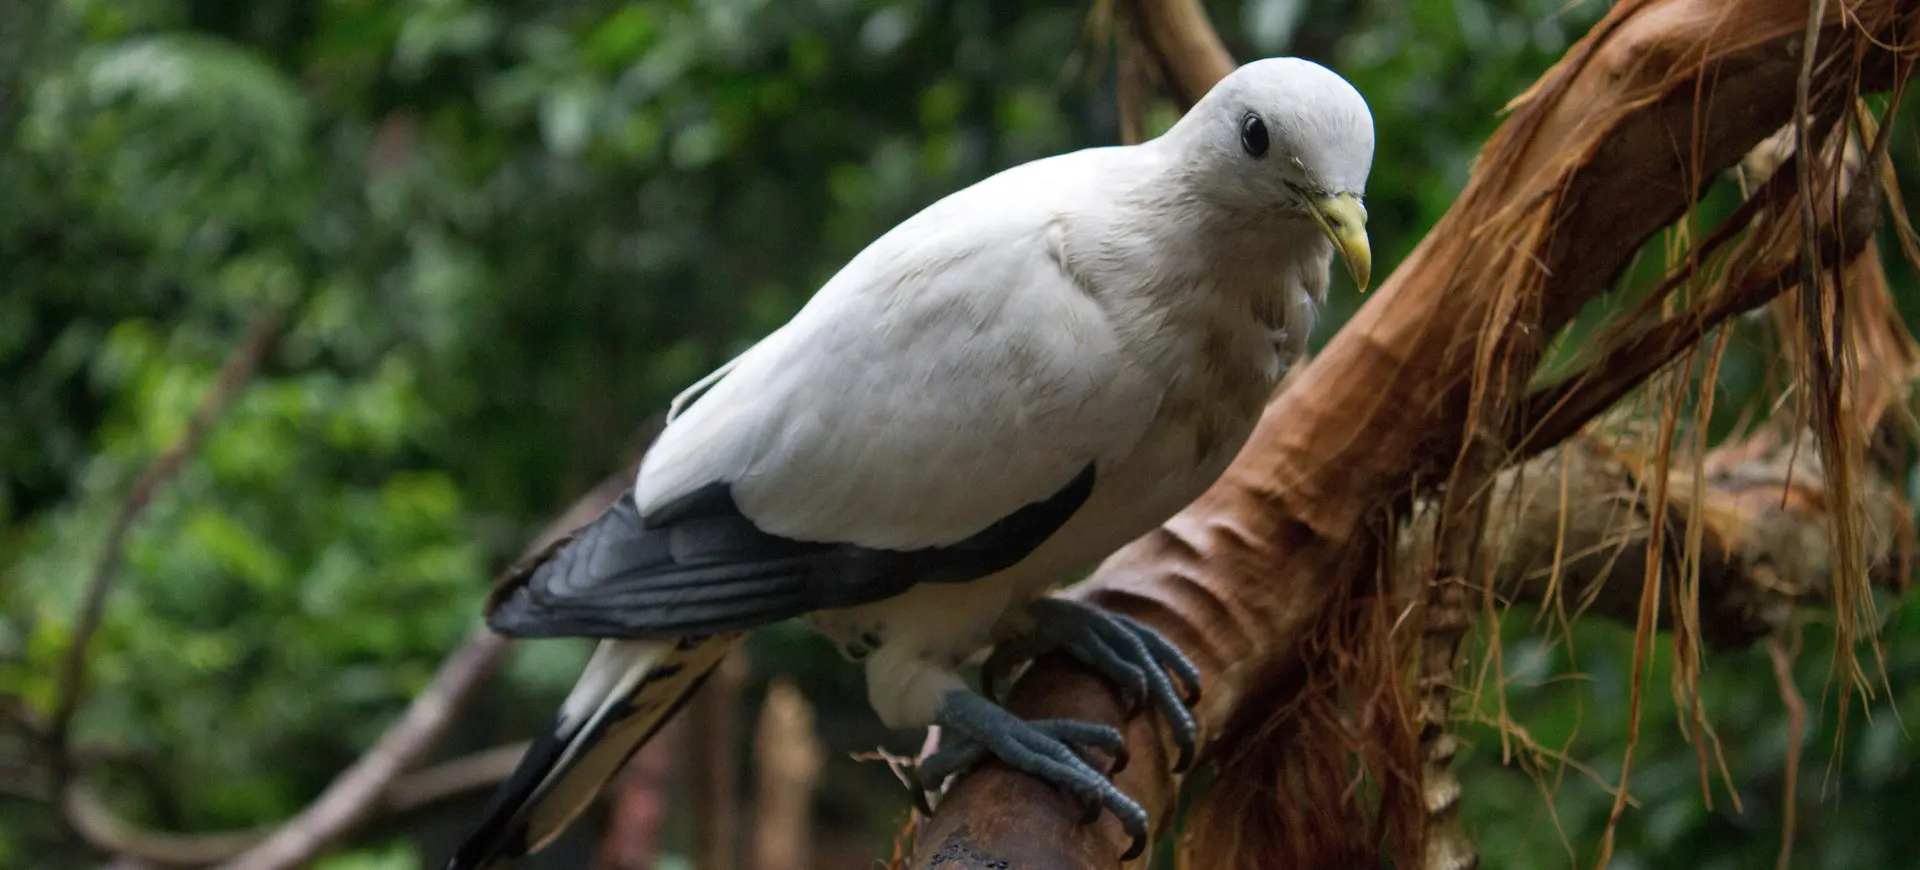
x=503 y=235
x=398 y=856
x=1855 y=798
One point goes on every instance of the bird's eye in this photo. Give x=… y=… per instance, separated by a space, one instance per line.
x=1253 y=135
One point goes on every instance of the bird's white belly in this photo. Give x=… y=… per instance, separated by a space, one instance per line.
x=914 y=642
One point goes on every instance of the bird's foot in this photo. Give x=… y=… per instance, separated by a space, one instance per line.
x=973 y=727
x=1124 y=650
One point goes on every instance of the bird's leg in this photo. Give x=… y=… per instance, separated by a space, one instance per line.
x=1125 y=651
x=972 y=727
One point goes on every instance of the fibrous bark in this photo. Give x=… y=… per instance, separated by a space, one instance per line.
x=1612 y=145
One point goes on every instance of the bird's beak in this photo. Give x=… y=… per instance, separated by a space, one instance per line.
x=1345 y=221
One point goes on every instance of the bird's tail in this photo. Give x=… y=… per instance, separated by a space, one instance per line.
x=629 y=689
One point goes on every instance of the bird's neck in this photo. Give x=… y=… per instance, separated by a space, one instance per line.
x=1198 y=255
x=1265 y=251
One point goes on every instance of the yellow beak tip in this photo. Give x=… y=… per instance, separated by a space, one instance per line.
x=1358 y=267
x=1344 y=219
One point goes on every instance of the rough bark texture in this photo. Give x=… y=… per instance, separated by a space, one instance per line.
x=1609 y=147
x=1764 y=518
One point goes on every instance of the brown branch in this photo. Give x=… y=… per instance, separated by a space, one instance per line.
x=1611 y=146
x=108 y=832
x=1764 y=553
x=1182 y=44
x=1763 y=269
x=102 y=829
x=1764 y=506
x=1796 y=735
x=356 y=794
x=1570 y=531
x=450 y=779
x=377 y=784
x=235 y=372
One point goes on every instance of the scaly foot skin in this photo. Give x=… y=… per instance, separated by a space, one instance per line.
x=1125 y=651
x=973 y=727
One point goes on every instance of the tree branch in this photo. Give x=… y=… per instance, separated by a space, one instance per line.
x=1183 y=45
x=108 y=832
x=450 y=779
x=235 y=372
x=1765 y=512
x=102 y=829
x=357 y=793
x=1577 y=518
x=1764 y=267
x=1609 y=147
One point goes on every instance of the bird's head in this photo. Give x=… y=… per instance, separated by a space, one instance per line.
x=1290 y=136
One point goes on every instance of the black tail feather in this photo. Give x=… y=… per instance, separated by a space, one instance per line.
x=498 y=835
x=502 y=832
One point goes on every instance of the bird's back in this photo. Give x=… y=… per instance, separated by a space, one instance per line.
x=952 y=356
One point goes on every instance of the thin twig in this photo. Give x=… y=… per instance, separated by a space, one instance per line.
x=448 y=779
x=1803 y=141
x=235 y=372
x=101 y=828
x=1796 y=734
x=107 y=832
x=354 y=796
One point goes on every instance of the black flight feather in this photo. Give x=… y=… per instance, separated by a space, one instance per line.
x=698 y=566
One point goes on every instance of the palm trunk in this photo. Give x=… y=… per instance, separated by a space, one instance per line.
x=1269 y=569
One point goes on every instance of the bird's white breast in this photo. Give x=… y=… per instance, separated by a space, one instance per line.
x=1203 y=324
x=1212 y=388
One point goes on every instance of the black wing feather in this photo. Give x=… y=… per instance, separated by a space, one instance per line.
x=698 y=566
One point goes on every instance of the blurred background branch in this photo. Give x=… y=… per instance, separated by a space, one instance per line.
x=496 y=235
x=233 y=376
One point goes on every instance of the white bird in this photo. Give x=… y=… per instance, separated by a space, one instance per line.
x=984 y=403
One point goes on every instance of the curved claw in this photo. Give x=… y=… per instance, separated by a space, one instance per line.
x=1141 y=663
x=957 y=756
x=1137 y=840
x=922 y=799
x=916 y=787
x=1135 y=682
x=1000 y=665
x=1091 y=814
x=1042 y=748
x=1101 y=737
x=1169 y=656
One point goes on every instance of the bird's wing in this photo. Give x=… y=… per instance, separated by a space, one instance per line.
x=934 y=414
